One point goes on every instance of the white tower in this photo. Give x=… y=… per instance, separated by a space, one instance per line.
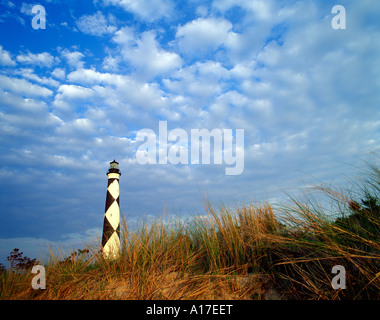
x=111 y=225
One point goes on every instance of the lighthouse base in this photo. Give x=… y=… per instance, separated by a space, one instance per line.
x=111 y=249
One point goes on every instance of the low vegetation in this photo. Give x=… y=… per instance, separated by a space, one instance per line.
x=257 y=251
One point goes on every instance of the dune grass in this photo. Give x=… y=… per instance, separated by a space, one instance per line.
x=256 y=251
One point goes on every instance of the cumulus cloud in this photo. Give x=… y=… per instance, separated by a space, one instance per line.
x=125 y=96
x=81 y=126
x=21 y=106
x=261 y=9
x=91 y=77
x=145 y=54
x=96 y=24
x=26 y=8
x=43 y=59
x=29 y=73
x=203 y=35
x=201 y=81
x=111 y=63
x=73 y=58
x=74 y=91
x=69 y=99
x=145 y=9
x=5 y=58
x=23 y=87
x=59 y=73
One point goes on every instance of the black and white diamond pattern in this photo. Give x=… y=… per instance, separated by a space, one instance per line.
x=111 y=225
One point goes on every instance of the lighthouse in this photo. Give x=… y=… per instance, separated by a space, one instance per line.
x=111 y=225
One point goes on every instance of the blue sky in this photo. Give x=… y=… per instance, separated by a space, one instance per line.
x=74 y=95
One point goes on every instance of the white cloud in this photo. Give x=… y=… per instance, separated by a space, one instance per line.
x=125 y=93
x=26 y=8
x=73 y=58
x=82 y=126
x=5 y=58
x=202 y=11
x=96 y=24
x=203 y=35
x=25 y=105
x=44 y=59
x=59 y=73
x=23 y=87
x=111 y=63
x=24 y=127
x=91 y=77
x=261 y=9
x=145 y=55
x=74 y=92
x=201 y=82
x=29 y=74
x=145 y=9
x=69 y=98
x=243 y=69
x=125 y=36
x=147 y=96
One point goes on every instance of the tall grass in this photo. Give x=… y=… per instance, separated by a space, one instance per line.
x=256 y=251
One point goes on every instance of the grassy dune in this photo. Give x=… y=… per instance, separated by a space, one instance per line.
x=257 y=251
